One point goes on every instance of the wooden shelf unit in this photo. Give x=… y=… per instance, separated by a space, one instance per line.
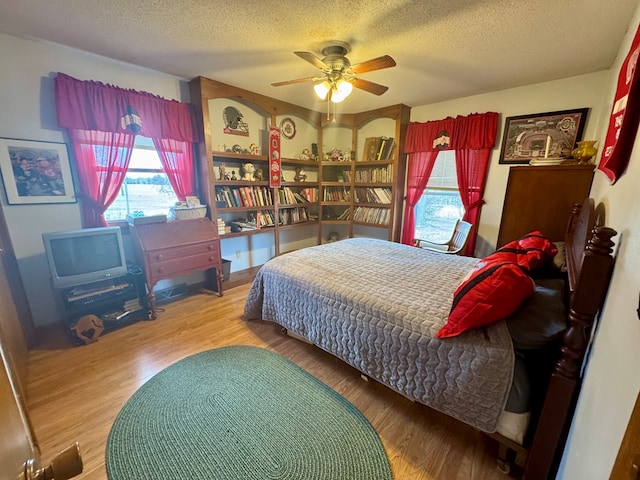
x=393 y=171
x=204 y=90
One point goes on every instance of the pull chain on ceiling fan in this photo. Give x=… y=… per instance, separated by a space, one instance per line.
x=338 y=75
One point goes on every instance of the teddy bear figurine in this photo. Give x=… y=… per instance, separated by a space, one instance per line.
x=258 y=174
x=248 y=171
x=300 y=175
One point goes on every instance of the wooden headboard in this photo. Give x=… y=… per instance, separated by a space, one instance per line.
x=588 y=248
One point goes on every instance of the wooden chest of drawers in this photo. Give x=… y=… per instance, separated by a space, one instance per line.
x=178 y=247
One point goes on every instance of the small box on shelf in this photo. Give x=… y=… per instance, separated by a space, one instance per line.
x=184 y=213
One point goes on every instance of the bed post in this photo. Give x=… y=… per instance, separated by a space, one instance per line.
x=564 y=385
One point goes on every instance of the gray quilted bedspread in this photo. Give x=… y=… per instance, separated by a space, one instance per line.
x=377 y=305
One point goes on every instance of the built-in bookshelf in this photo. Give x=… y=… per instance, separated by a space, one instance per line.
x=251 y=206
x=320 y=190
x=362 y=194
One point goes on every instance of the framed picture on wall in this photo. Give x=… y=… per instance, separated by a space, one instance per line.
x=541 y=135
x=35 y=172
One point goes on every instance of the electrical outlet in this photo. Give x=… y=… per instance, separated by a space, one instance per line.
x=238 y=254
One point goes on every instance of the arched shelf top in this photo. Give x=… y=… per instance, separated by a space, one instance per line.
x=270 y=107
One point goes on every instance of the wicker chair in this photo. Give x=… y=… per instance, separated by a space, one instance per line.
x=454 y=245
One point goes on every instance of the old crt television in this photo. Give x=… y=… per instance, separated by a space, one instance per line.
x=78 y=257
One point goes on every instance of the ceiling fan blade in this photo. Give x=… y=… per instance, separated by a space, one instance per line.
x=378 y=63
x=297 y=80
x=368 y=86
x=313 y=60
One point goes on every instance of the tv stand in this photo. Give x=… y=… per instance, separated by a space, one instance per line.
x=116 y=302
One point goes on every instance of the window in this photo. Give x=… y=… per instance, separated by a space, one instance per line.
x=440 y=205
x=146 y=187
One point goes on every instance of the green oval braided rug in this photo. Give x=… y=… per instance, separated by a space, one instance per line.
x=237 y=413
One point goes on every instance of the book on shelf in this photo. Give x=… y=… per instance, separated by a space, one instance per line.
x=299 y=198
x=381 y=143
x=378 y=148
x=236 y=197
x=371 y=146
x=310 y=194
x=386 y=152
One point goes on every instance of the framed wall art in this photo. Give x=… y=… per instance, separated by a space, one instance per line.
x=541 y=135
x=35 y=172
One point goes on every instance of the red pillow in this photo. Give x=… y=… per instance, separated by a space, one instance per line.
x=492 y=291
x=530 y=251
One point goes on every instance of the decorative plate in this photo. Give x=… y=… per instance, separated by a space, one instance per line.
x=287 y=128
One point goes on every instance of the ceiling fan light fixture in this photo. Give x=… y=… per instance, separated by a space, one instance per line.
x=322 y=89
x=344 y=88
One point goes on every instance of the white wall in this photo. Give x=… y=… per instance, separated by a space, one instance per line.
x=570 y=93
x=28 y=112
x=612 y=381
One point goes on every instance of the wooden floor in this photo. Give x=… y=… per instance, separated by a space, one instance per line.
x=75 y=393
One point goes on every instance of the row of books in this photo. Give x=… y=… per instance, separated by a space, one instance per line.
x=244 y=196
x=306 y=195
x=378 y=216
x=375 y=175
x=262 y=196
x=373 y=195
x=336 y=194
x=222 y=228
x=286 y=216
x=309 y=194
x=378 y=148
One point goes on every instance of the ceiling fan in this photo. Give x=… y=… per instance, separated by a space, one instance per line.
x=338 y=76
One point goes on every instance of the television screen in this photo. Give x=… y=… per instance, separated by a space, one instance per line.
x=83 y=256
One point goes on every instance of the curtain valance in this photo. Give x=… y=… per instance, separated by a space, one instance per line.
x=476 y=131
x=91 y=105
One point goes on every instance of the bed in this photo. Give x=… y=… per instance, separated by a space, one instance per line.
x=380 y=307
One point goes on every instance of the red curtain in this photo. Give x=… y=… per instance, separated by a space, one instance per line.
x=90 y=105
x=472 y=137
x=112 y=116
x=102 y=160
x=472 y=163
x=471 y=167
x=420 y=165
x=177 y=160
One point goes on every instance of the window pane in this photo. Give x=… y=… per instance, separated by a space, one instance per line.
x=148 y=192
x=440 y=205
x=436 y=214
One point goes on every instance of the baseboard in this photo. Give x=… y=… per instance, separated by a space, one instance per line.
x=241 y=277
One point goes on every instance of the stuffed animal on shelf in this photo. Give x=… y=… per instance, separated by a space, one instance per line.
x=248 y=171
x=223 y=172
x=258 y=174
x=300 y=175
x=88 y=328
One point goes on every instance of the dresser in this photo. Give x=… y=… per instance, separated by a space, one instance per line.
x=178 y=247
x=541 y=198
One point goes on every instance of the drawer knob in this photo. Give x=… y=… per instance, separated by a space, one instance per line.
x=210 y=247
x=159 y=256
x=212 y=259
x=161 y=270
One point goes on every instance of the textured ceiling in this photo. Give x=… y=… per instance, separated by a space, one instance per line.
x=444 y=49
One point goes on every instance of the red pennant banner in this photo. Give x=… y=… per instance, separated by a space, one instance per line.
x=275 y=166
x=625 y=115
